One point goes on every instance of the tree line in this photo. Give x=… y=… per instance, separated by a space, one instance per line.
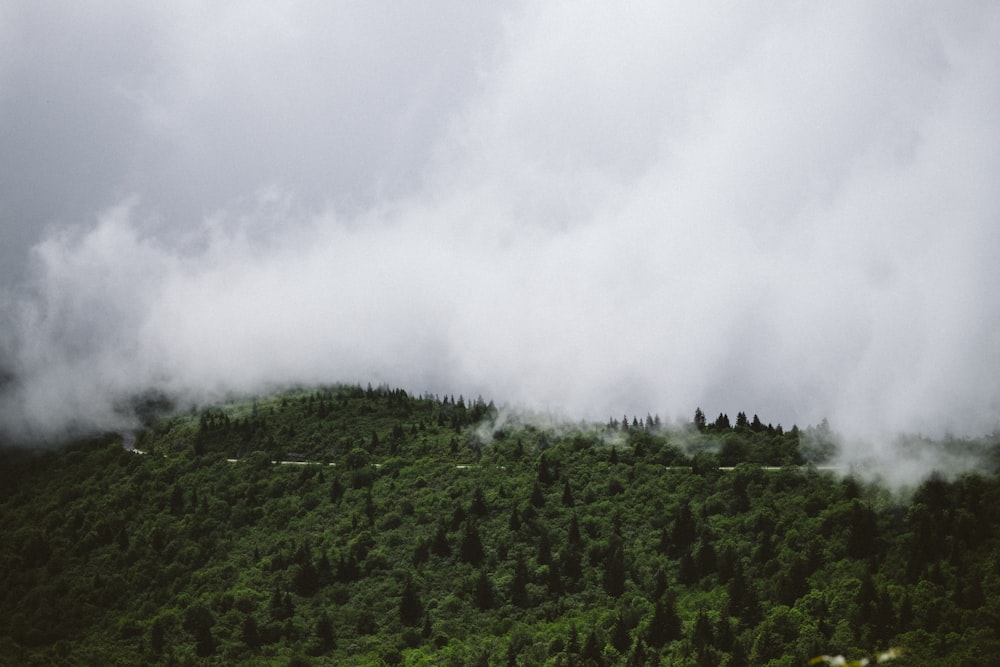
x=551 y=547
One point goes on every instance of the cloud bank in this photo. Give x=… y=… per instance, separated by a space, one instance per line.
x=590 y=209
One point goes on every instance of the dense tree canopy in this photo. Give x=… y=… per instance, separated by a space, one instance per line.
x=414 y=531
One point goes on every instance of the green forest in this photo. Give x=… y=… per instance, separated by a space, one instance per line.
x=344 y=525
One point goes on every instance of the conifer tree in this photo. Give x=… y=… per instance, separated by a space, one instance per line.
x=665 y=625
x=614 y=571
x=325 y=638
x=411 y=609
x=484 y=591
x=519 y=585
x=471 y=549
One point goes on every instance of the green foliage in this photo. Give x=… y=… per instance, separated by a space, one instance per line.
x=406 y=533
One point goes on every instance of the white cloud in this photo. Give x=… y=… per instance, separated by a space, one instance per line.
x=789 y=211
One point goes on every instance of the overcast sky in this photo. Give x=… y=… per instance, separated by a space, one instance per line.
x=786 y=208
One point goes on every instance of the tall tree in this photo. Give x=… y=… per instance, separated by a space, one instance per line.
x=471 y=549
x=484 y=591
x=699 y=419
x=614 y=571
x=519 y=584
x=411 y=609
x=665 y=625
x=325 y=638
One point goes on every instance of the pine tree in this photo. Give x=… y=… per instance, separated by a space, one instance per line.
x=336 y=490
x=325 y=637
x=471 y=549
x=177 y=500
x=705 y=557
x=439 y=543
x=592 y=650
x=614 y=572
x=638 y=656
x=478 y=506
x=684 y=531
x=411 y=609
x=519 y=585
x=484 y=591
x=701 y=634
x=514 y=523
x=567 y=495
x=699 y=419
x=742 y=599
x=537 y=496
x=544 y=472
x=619 y=634
x=665 y=626
x=544 y=549
x=573 y=537
x=306 y=581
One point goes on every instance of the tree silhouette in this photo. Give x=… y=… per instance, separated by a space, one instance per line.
x=471 y=549
x=411 y=609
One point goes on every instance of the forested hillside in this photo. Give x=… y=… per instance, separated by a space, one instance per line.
x=433 y=531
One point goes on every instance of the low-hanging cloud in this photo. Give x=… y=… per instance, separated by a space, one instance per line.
x=594 y=210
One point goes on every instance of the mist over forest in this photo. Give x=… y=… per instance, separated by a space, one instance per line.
x=528 y=333
x=586 y=211
x=353 y=525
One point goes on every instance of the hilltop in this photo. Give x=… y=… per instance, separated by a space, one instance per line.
x=444 y=531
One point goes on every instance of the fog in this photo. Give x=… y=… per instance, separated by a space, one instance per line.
x=590 y=209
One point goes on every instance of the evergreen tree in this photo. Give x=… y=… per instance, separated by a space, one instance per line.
x=545 y=475
x=638 y=656
x=702 y=636
x=592 y=650
x=619 y=634
x=687 y=571
x=571 y=561
x=614 y=571
x=336 y=490
x=514 y=523
x=471 y=549
x=250 y=633
x=705 y=557
x=439 y=543
x=684 y=531
x=665 y=626
x=553 y=581
x=325 y=638
x=537 y=496
x=567 y=495
x=306 y=581
x=699 y=419
x=573 y=537
x=544 y=549
x=177 y=500
x=519 y=585
x=198 y=620
x=863 y=536
x=478 y=506
x=157 y=635
x=484 y=591
x=742 y=599
x=411 y=609
x=573 y=645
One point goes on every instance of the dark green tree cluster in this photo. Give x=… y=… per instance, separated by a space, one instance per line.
x=409 y=537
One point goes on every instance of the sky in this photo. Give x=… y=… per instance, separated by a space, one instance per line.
x=588 y=208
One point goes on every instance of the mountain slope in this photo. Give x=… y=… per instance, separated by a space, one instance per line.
x=430 y=531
